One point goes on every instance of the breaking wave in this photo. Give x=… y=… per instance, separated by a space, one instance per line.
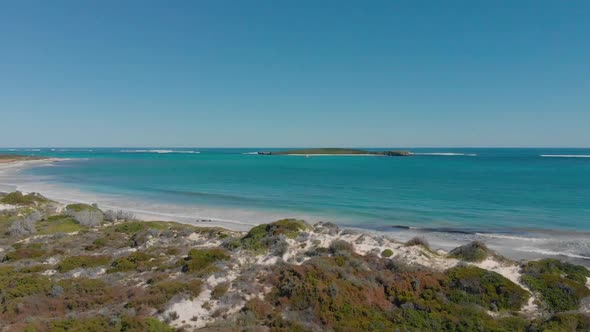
x=444 y=154
x=565 y=155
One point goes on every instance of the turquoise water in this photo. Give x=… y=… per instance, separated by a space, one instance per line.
x=503 y=191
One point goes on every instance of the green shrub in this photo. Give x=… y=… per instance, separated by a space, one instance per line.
x=17 y=285
x=562 y=285
x=99 y=243
x=219 y=290
x=58 y=224
x=387 y=253
x=158 y=294
x=136 y=261
x=417 y=241
x=340 y=246
x=132 y=227
x=288 y=227
x=78 y=207
x=25 y=253
x=143 y=324
x=75 y=262
x=105 y=324
x=550 y=266
x=200 y=260
x=563 y=322
x=17 y=198
x=475 y=251
x=260 y=238
x=489 y=289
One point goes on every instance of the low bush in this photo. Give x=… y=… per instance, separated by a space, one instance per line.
x=200 y=260
x=417 y=241
x=132 y=227
x=262 y=237
x=562 y=285
x=17 y=198
x=58 y=224
x=106 y=324
x=563 y=322
x=486 y=288
x=99 y=243
x=387 y=253
x=475 y=251
x=340 y=246
x=137 y=261
x=78 y=207
x=17 y=285
x=160 y=293
x=219 y=290
x=85 y=294
x=25 y=253
x=75 y=262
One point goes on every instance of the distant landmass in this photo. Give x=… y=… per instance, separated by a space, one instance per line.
x=339 y=151
x=8 y=158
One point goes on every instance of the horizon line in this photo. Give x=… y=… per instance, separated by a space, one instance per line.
x=295 y=147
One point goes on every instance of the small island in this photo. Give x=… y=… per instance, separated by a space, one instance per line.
x=339 y=152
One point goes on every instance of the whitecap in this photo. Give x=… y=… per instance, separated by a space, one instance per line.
x=159 y=151
x=444 y=154
x=565 y=155
x=552 y=252
x=510 y=237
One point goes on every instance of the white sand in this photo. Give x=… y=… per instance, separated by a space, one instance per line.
x=6 y=207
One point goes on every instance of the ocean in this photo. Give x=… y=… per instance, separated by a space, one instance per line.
x=523 y=202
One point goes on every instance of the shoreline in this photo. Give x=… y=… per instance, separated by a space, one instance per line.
x=515 y=245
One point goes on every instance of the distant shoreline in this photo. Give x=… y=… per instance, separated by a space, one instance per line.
x=11 y=158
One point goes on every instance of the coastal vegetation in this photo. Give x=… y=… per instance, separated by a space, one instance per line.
x=18 y=198
x=561 y=285
x=418 y=241
x=264 y=237
x=387 y=253
x=121 y=274
x=475 y=251
x=9 y=158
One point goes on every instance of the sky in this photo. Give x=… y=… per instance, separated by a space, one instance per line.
x=294 y=73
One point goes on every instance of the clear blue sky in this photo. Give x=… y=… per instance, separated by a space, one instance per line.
x=295 y=73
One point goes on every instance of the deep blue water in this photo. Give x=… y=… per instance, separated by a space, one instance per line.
x=475 y=189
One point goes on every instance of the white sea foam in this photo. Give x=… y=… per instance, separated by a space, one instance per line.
x=510 y=237
x=75 y=150
x=565 y=155
x=160 y=151
x=250 y=153
x=551 y=252
x=444 y=154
